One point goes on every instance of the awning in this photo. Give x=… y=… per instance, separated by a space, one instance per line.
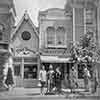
x=54 y=59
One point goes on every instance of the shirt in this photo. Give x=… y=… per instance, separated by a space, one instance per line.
x=42 y=75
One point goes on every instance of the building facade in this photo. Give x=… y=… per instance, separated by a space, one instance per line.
x=56 y=33
x=25 y=43
x=60 y=27
x=86 y=18
x=7 y=21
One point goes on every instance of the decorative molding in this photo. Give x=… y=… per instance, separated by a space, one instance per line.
x=24 y=51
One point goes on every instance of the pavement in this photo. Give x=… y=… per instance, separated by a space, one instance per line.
x=34 y=94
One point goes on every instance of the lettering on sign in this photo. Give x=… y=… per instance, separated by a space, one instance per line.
x=24 y=51
x=55 y=51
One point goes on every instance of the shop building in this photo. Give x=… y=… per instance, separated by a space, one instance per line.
x=56 y=33
x=25 y=45
x=86 y=18
x=60 y=27
x=7 y=20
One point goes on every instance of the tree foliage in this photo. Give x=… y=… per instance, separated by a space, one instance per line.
x=86 y=50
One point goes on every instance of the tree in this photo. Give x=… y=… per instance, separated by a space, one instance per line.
x=86 y=50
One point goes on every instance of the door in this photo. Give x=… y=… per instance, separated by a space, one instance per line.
x=17 y=75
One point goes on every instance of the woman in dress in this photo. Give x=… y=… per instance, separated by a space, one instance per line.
x=42 y=78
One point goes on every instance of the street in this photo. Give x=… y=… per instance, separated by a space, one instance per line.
x=49 y=98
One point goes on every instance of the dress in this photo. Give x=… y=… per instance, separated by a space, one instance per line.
x=50 y=80
x=58 y=78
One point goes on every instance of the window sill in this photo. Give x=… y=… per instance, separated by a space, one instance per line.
x=57 y=46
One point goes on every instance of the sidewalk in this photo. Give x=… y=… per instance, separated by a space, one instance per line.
x=35 y=92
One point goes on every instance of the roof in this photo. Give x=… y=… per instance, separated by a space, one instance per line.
x=50 y=10
x=25 y=17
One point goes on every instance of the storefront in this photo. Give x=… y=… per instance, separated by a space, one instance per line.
x=65 y=65
x=26 y=71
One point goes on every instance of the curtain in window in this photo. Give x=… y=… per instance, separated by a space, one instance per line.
x=50 y=36
x=60 y=36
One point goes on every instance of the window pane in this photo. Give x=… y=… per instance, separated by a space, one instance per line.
x=17 y=70
x=60 y=34
x=79 y=31
x=80 y=71
x=89 y=16
x=30 y=71
x=50 y=36
x=79 y=16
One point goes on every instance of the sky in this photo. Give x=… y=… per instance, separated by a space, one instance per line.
x=34 y=6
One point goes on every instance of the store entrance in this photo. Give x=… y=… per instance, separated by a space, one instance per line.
x=64 y=67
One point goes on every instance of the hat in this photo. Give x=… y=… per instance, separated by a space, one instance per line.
x=51 y=67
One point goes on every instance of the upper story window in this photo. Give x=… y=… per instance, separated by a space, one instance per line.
x=1 y=31
x=56 y=37
x=89 y=16
x=60 y=36
x=26 y=35
x=50 y=36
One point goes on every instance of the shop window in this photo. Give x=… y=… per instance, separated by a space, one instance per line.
x=60 y=36
x=80 y=71
x=17 y=70
x=50 y=36
x=30 y=71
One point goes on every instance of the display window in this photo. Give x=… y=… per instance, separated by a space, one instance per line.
x=30 y=71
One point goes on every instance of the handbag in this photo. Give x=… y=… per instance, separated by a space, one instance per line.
x=39 y=84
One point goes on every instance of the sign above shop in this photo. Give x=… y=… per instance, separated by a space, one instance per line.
x=24 y=52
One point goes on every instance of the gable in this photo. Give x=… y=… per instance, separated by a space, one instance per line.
x=25 y=37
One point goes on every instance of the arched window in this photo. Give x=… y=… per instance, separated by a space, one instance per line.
x=60 y=36
x=50 y=36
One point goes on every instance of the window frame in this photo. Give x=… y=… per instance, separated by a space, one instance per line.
x=61 y=45
x=50 y=45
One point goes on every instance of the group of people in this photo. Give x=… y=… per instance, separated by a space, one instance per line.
x=51 y=79
x=90 y=80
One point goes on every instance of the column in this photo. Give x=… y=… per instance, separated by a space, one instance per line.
x=38 y=65
x=98 y=26
x=84 y=20
x=22 y=65
x=73 y=24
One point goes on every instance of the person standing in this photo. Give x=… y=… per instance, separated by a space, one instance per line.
x=58 y=78
x=73 y=78
x=42 y=78
x=50 y=79
x=95 y=81
x=9 y=73
x=86 y=78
